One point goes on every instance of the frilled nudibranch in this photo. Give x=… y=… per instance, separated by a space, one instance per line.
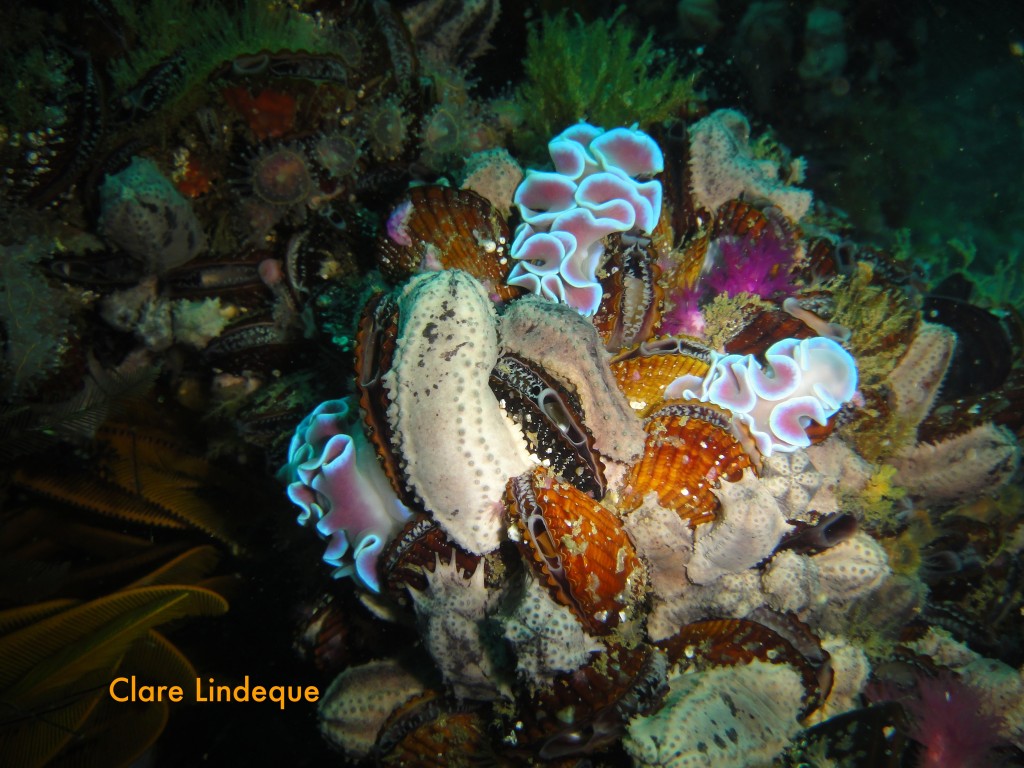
x=333 y=476
x=803 y=381
x=593 y=192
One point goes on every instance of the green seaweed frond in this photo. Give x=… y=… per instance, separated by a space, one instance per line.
x=1003 y=287
x=596 y=71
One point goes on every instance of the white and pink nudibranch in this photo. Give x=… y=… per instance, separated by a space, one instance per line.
x=594 y=191
x=803 y=381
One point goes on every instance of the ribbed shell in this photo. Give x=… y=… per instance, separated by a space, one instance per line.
x=735 y=642
x=585 y=710
x=631 y=305
x=417 y=548
x=690 y=448
x=643 y=371
x=578 y=548
x=448 y=228
x=425 y=732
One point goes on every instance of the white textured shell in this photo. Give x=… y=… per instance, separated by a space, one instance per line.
x=359 y=701
x=747 y=531
x=452 y=610
x=458 y=447
x=546 y=637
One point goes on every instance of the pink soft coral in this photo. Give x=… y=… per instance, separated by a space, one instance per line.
x=757 y=264
x=948 y=718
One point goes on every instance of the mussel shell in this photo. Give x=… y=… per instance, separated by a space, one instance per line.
x=984 y=352
x=551 y=419
x=631 y=305
x=586 y=710
x=680 y=210
x=376 y=340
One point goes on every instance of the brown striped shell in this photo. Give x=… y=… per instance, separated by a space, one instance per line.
x=690 y=448
x=631 y=305
x=416 y=549
x=376 y=339
x=551 y=418
x=764 y=328
x=578 y=547
x=645 y=370
x=434 y=227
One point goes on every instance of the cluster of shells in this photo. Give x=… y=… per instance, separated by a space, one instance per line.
x=222 y=200
x=646 y=585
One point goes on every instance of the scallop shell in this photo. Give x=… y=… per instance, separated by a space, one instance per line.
x=436 y=227
x=741 y=219
x=586 y=710
x=426 y=732
x=690 y=448
x=643 y=371
x=732 y=642
x=375 y=347
x=417 y=548
x=764 y=328
x=578 y=547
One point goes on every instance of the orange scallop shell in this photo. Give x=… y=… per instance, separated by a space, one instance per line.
x=449 y=228
x=645 y=370
x=690 y=448
x=578 y=548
